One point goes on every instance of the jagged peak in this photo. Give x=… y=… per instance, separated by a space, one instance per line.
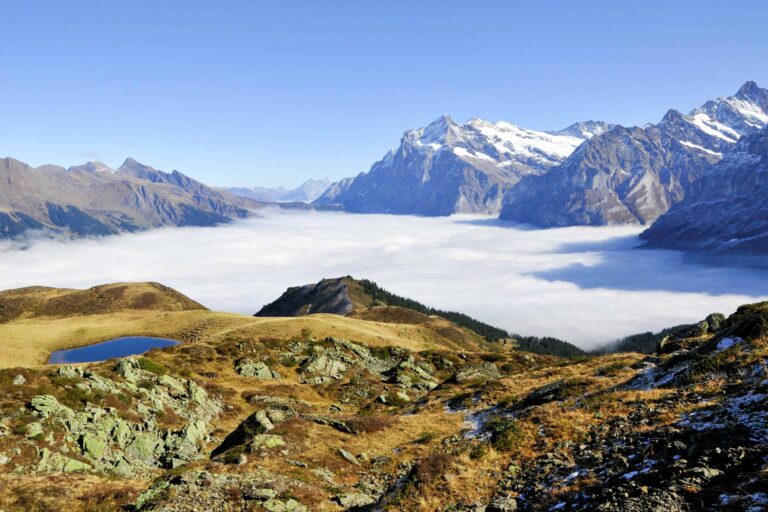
x=437 y=130
x=749 y=90
x=672 y=115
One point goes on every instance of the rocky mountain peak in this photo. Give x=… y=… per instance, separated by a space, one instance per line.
x=750 y=91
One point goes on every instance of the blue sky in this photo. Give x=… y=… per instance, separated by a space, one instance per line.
x=276 y=92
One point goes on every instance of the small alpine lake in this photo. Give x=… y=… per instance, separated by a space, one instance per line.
x=118 y=347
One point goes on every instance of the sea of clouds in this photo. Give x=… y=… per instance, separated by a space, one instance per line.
x=586 y=285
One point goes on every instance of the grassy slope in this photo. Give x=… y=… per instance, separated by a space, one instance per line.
x=29 y=342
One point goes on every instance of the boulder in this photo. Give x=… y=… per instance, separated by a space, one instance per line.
x=348 y=457
x=93 y=445
x=19 y=380
x=483 y=371
x=265 y=441
x=47 y=406
x=255 y=369
x=354 y=499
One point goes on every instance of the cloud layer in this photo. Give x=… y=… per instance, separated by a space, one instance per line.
x=586 y=285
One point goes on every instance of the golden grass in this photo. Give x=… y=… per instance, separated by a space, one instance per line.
x=29 y=342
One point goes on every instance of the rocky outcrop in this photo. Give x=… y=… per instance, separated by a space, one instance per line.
x=477 y=372
x=255 y=369
x=634 y=175
x=198 y=491
x=327 y=296
x=726 y=212
x=448 y=168
x=130 y=441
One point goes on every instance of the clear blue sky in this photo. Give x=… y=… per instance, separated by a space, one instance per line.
x=276 y=92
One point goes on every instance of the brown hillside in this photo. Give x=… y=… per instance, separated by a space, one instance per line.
x=38 y=301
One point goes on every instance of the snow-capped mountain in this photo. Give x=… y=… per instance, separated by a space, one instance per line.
x=447 y=167
x=726 y=210
x=633 y=175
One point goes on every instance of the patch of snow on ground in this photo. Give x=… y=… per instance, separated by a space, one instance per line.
x=727 y=343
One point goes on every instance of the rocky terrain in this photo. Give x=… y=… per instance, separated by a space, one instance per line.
x=447 y=167
x=724 y=212
x=634 y=175
x=92 y=199
x=241 y=421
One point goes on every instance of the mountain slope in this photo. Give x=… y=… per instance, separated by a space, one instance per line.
x=92 y=199
x=306 y=192
x=725 y=211
x=241 y=417
x=448 y=168
x=366 y=300
x=633 y=175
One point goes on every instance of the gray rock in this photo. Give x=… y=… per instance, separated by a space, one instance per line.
x=19 y=380
x=258 y=370
x=348 y=457
x=354 y=499
x=485 y=370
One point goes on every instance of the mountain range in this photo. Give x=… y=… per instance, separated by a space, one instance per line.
x=306 y=192
x=447 y=168
x=633 y=175
x=726 y=210
x=93 y=199
x=591 y=173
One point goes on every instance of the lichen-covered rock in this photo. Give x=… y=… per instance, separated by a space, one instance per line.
x=483 y=371
x=106 y=441
x=255 y=369
x=266 y=441
x=47 y=406
x=354 y=499
x=19 y=380
x=198 y=491
x=322 y=367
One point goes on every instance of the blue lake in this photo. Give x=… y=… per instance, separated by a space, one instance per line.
x=119 y=347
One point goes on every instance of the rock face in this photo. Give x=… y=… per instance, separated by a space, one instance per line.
x=92 y=199
x=327 y=296
x=633 y=175
x=727 y=210
x=448 y=168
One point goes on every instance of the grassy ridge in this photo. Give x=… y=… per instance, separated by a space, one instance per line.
x=546 y=345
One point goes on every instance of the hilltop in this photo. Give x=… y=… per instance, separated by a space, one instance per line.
x=366 y=300
x=39 y=301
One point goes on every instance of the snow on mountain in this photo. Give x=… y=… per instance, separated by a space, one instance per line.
x=634 y=175
x=447 y=167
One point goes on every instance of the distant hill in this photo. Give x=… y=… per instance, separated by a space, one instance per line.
x=93 y=199
x=39 y=301
x=366 y=300
x=306 y=192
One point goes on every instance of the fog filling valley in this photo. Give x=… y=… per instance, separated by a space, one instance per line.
x=582 y=284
